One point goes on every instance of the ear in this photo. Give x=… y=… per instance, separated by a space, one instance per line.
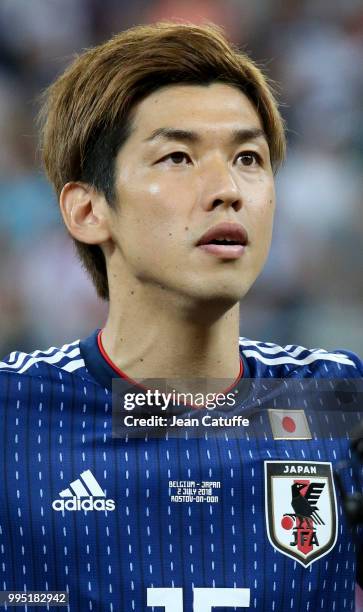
x=85 y=213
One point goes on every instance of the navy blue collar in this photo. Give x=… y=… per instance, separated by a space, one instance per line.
x=101 y=370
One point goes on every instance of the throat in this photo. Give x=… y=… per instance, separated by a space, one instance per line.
x=161 y=343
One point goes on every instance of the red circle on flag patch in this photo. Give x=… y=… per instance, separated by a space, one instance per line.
x=287 y=522
x=289 y=424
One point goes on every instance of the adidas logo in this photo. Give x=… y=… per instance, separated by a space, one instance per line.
x=80 y=495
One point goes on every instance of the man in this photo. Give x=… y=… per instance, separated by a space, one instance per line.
x=162 y=145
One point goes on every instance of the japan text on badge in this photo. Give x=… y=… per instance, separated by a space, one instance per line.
x=301 y=509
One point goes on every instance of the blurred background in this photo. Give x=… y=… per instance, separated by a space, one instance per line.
x=311 y=290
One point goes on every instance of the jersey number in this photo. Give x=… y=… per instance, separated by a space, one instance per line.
x=204 y=599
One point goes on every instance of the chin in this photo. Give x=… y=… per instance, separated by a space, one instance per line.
x=217 y=300
x=196 y=294
x=227 y=292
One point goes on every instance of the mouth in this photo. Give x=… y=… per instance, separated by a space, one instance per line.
x=225 y=240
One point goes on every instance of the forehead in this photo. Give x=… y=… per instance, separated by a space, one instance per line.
x=206 y=108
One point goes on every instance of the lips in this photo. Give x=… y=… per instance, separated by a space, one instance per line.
x=231 y=232
x=225 y=241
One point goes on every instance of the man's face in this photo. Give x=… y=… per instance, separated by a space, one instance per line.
x=196 y=158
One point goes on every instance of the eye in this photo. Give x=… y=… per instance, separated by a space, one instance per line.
x=177 y=158
x=249 y=158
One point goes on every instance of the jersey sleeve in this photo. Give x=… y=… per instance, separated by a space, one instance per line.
x=357 y=361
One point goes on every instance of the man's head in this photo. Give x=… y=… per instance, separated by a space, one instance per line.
x=168 y=131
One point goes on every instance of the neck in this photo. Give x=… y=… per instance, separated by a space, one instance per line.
x=154 y=338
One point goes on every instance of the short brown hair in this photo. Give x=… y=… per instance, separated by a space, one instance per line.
x=86 y=114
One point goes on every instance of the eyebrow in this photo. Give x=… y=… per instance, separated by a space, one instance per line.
x=238 y=136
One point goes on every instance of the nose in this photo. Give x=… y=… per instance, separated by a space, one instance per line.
x=221 y=188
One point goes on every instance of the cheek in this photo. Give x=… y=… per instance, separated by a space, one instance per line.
x=150 y=220
x=262 y=213
x=141 y=206
x=155 y=200
x=167 y=219
x=153 y=190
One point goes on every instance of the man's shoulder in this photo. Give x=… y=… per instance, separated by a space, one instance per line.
x=44 y=363
x=266 y=359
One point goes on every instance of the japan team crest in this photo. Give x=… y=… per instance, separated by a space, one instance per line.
x=301 y=509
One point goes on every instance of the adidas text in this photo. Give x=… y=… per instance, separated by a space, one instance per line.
x=83 y=504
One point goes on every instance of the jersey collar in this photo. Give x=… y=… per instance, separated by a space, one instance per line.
x=103 y=370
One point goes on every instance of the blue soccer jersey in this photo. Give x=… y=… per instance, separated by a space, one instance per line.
x=249 y=517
